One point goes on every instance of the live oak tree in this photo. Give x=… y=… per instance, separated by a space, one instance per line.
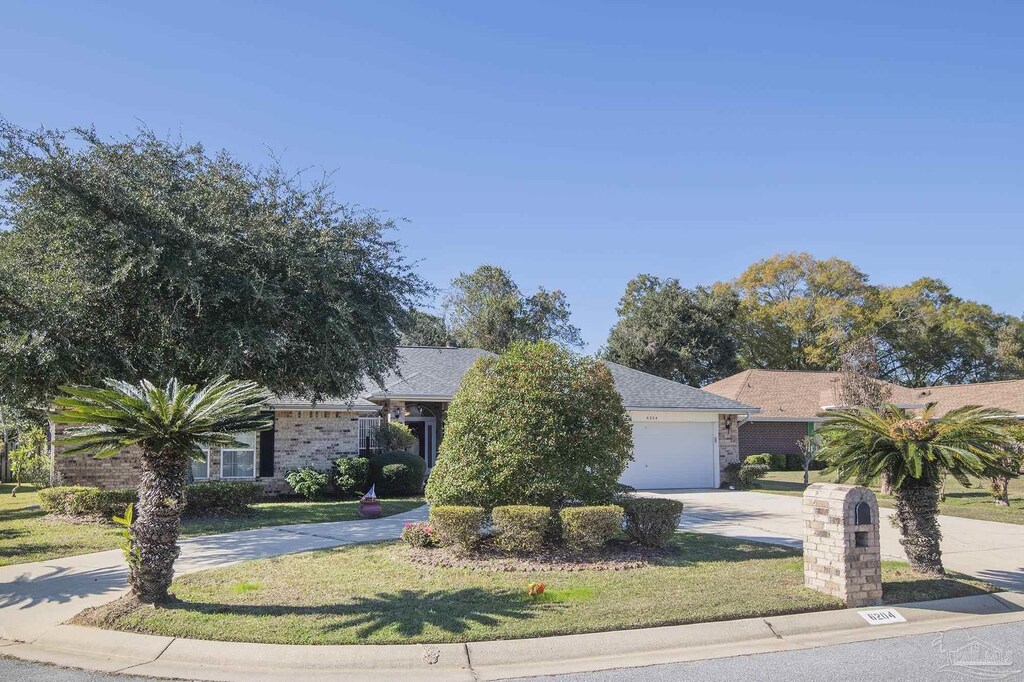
x=426 y=329
x=685 y=335
x=915 y=452
x=144 y=257
x=168 y=424
x=796 y=311
x=486 y=309
x=929 y=336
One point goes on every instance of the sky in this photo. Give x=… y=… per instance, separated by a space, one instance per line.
x=578 y=144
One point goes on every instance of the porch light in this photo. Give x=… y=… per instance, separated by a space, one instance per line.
x=728 y=422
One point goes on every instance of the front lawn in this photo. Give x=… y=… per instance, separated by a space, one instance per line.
x=26 y=534
x=969 y=503
x=376 y=594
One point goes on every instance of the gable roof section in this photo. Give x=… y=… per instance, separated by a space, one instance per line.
x=782 y=395
x=796 y=395
x=426 y=372
x=640 y=390
x=1008 y=395
x=434 y=373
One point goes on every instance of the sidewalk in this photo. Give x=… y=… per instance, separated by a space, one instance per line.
x=168 y=657
x=36 y=597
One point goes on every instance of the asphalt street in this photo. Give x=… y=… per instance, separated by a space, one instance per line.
x=994 y=652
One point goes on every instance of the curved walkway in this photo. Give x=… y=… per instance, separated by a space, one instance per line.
x=36 y=597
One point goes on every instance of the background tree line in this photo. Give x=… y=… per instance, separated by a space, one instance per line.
x=789 y=311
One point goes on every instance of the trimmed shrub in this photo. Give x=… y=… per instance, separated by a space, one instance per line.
x=590 y=528
x=393 y=437
x=221 y=497
x=794 y=462
x=308 y=482
x=69 y=500
x=397 y=473
x=457 y=526
x=520 y=528
x=351 y=475
x=536 y=425
x=763 y=458
x=651 y=521
x=778 y=462
x=749 y=473
x=419 y=535
x=731 y=475
x=200 y=499
x=111 y=503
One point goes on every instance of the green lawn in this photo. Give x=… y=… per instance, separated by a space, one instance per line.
x=27 y=535
x=970 y=503
x=374 y=594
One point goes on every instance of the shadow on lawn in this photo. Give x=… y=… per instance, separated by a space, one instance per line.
x=406 y=612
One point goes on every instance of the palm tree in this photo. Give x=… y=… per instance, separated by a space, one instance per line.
x=915 y=452
x=168 y=424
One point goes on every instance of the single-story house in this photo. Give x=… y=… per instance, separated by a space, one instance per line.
x=791 y=403
x=682 y=436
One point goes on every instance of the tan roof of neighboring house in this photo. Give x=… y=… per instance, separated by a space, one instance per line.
x=1009 y=395
x=801 y=395
x=781 y=394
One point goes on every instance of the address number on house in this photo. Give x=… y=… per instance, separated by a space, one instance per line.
x=882 y=616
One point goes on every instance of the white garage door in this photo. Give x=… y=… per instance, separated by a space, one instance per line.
x=672 y=455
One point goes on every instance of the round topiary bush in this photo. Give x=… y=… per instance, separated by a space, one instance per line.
x=397 y=473
x=536 y=425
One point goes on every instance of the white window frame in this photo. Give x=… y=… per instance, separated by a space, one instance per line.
x=193 y=462
x=235 y=451
x=367 y=425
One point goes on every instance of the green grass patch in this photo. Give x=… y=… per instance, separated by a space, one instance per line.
x=375 y=594
x=970 y=503
x=245 y=586
x=26 y=534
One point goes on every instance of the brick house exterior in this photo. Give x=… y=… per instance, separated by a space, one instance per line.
x=315 y=435
x=778 y=438
x=792 y=402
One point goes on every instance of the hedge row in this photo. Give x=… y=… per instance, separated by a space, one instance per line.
x=201 y=499
x=522 y=529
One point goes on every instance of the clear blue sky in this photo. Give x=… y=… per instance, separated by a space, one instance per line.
x=582 y=144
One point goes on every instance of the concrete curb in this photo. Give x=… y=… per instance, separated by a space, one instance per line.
x=111 y=651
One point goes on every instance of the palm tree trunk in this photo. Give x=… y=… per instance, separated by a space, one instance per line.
x=1001 y=490
x=155 y=531
x=917 y=509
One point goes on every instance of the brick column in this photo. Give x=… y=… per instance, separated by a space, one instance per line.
x=842 y=556
x=728 y=440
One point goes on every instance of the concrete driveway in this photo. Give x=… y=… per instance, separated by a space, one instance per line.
x=991 y=551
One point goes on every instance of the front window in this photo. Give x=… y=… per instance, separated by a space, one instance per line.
x=239 y=462
x=201 y=467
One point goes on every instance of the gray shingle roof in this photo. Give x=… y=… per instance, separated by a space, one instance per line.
x=640 y=390
x=428 y=373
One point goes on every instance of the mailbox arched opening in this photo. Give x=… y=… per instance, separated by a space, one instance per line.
x=862 y=514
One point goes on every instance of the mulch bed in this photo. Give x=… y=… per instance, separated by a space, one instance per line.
x=616 y=556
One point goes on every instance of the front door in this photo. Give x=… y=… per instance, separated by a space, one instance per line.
x=425 y=430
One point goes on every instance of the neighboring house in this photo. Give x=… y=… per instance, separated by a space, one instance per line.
x=791 y=402
x=682 y=436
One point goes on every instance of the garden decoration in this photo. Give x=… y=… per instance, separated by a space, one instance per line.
x=369 y=505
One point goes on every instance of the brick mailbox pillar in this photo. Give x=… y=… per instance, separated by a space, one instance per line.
x=841 y=550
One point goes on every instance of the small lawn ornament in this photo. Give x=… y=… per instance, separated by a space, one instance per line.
x=369 y=505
